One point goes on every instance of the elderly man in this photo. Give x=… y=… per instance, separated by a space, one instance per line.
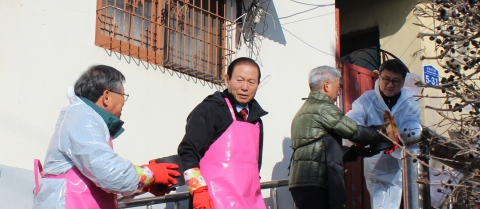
x=81 y=169
x=221 y=151
x=383 y=172
x=316 y=179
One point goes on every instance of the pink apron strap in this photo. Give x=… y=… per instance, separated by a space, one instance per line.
x=37 y=169
x=231 y=109
x=110 y=142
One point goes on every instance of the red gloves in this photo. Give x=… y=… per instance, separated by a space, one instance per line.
x=394 y=147
x=164 y=173
x=201 y=199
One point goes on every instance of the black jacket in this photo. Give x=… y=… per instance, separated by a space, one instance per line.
x=207 y=122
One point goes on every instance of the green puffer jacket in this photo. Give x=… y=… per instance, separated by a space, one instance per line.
x=317 y=116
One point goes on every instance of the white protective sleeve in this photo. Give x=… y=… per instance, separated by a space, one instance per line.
x=81 y=140
x=383 y=172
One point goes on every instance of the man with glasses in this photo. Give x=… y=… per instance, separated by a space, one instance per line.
x=81 y=169
x=125 y=96
x=383 y=172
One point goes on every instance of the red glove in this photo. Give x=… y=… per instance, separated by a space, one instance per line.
x=164 y=173
x=201 y=199
x=394 y=147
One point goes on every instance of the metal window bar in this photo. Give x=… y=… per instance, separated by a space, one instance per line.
x=183 y=35
x=181 y=196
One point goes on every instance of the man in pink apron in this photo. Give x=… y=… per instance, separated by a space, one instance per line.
x=221 y=151
x=81 y=169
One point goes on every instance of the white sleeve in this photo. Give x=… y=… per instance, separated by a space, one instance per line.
x=86 y=145
x=357 y=114
x=413 y=112
x=358 y=111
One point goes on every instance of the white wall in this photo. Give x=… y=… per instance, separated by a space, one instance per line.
x=46 y=45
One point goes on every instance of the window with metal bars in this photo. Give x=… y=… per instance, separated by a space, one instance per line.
x=183 y=35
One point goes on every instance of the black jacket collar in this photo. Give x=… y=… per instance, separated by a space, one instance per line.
x=255 y=110
x=390 y=101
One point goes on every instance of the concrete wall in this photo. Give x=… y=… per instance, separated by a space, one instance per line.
x=16 y=189
x=46 y=45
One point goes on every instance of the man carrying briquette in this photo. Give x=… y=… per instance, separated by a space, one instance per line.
x=317 y=173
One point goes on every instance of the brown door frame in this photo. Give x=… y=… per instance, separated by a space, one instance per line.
x=356 y=81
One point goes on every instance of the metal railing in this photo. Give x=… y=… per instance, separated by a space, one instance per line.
x=181 y=196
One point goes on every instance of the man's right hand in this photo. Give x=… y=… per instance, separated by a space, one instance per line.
x=201 y=199
x=381 y=128
x=164 y=173
x=368 y=135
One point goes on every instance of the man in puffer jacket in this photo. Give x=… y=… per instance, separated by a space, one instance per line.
x=383 y=172
x=316 y=179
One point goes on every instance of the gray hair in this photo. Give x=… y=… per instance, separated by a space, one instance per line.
x=321 y=74
x=96 y=80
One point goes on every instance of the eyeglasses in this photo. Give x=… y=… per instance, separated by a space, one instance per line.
x=394 y=82
x=125 y=96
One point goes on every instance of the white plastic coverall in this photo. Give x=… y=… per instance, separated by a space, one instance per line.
x=81 y=140
x=383 y=172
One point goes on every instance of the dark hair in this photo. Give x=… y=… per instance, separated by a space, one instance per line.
x=240 y=61
x=96 y=80
x=395 y=66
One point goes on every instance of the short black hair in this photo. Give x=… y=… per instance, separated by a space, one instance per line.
x=96 y=80
x=241 y=60
x=395 y=66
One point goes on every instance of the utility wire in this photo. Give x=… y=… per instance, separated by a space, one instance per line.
x=264 y=20
x=321 y=5
x=299 y=12
x=316 y=7
x=309 y=18
x=307 y=43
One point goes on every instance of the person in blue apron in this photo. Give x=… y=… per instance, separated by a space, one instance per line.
x=81 y=170
x=221 y=151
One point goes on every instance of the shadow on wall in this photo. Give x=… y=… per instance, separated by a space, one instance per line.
x=390 y=16
x=269 y=26
x=173 y=73
x=280 y=171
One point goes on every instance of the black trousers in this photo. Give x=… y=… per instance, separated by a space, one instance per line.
x=310 y=197
x=335 y=196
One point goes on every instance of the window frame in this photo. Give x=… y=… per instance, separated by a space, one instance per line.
x=106 y=33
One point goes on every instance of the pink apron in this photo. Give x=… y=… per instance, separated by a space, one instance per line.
x=80 y=192
x=230 y=167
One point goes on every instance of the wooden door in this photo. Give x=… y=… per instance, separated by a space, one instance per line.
x=356 y=80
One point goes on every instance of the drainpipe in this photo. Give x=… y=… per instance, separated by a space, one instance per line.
x=416 y=195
